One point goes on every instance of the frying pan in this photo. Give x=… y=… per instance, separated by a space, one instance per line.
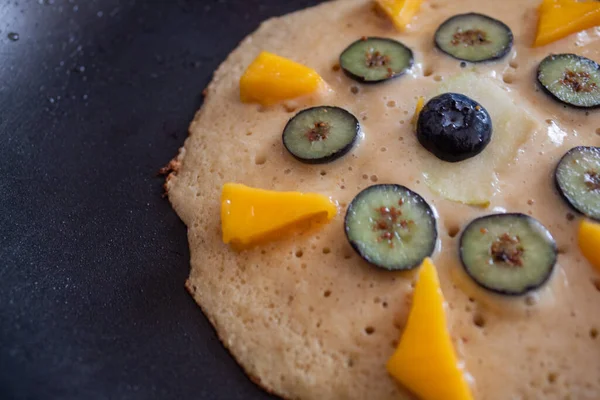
x=96 y=96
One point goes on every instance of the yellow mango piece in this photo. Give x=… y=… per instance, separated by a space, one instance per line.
x=560 y=18
x=271 y=79
x=401 y=12
x=418 y=108
x=589 y=241
x=249 y=214
x=425 y=361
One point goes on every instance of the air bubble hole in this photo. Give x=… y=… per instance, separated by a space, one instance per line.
x=260 y=159
x=453 y=230
x=508 y=78
x=479 y=320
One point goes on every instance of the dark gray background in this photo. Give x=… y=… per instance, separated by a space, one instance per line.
x=96 y=96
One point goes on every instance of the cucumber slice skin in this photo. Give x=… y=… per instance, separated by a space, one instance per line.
x=493 y=57
x=427 y=249
x=561 y=187
x=552 y=57
x=536 y=226
x=361 y=78
x=342 y=151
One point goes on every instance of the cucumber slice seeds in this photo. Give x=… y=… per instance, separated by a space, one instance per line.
x=509 y=254
x=577 y=178
x=321 y=134
x=391 y=227
x=373 y=59
x=571 y=79
x=474 y=37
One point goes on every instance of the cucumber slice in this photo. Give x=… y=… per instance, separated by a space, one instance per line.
x=320 y=135
x=474 y=37
x=577 y=178
x=571 y=79
x=510 y=254
x=391 y=227
x=374 y=60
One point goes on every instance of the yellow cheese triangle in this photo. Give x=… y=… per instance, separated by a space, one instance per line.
x=401 y=12
x=248 y=214
x=560 y=18
x=271 y=79
x=589 y=241
x=425 y=361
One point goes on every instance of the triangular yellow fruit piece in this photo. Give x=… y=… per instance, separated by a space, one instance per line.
x=418 y=109
x=401 y=12
x=249 y=214
x=271 y=79
x=560 y=18
x=425 y=361
x=589 y=241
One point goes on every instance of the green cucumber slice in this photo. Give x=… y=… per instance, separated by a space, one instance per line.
x=474 y=37
x=577 y=178
x=571 y=79
x=320 y=135
x=391 y=227
x=374 y=59
x=510 y=254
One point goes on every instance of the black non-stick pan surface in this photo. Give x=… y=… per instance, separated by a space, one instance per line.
x=96 y=96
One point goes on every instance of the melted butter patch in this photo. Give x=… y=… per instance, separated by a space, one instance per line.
x=512 y=127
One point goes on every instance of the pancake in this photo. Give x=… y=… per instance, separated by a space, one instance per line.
x=305 y=316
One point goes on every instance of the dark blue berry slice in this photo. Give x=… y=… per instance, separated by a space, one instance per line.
x=509 y=254
x=391 y=227
x=474 y=37
x=320 y=135
x=571 y=79
x=374 y=59
x=577 y=178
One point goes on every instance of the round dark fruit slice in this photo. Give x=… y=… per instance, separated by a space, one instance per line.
x=391 y=227
x=454 y=127
x=577 y=178
x=571 y=79
x=510 y=254
x=320 y=135
x=373 y=59
x=474 y=37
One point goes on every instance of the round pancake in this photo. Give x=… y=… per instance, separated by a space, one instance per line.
x=305 y=316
